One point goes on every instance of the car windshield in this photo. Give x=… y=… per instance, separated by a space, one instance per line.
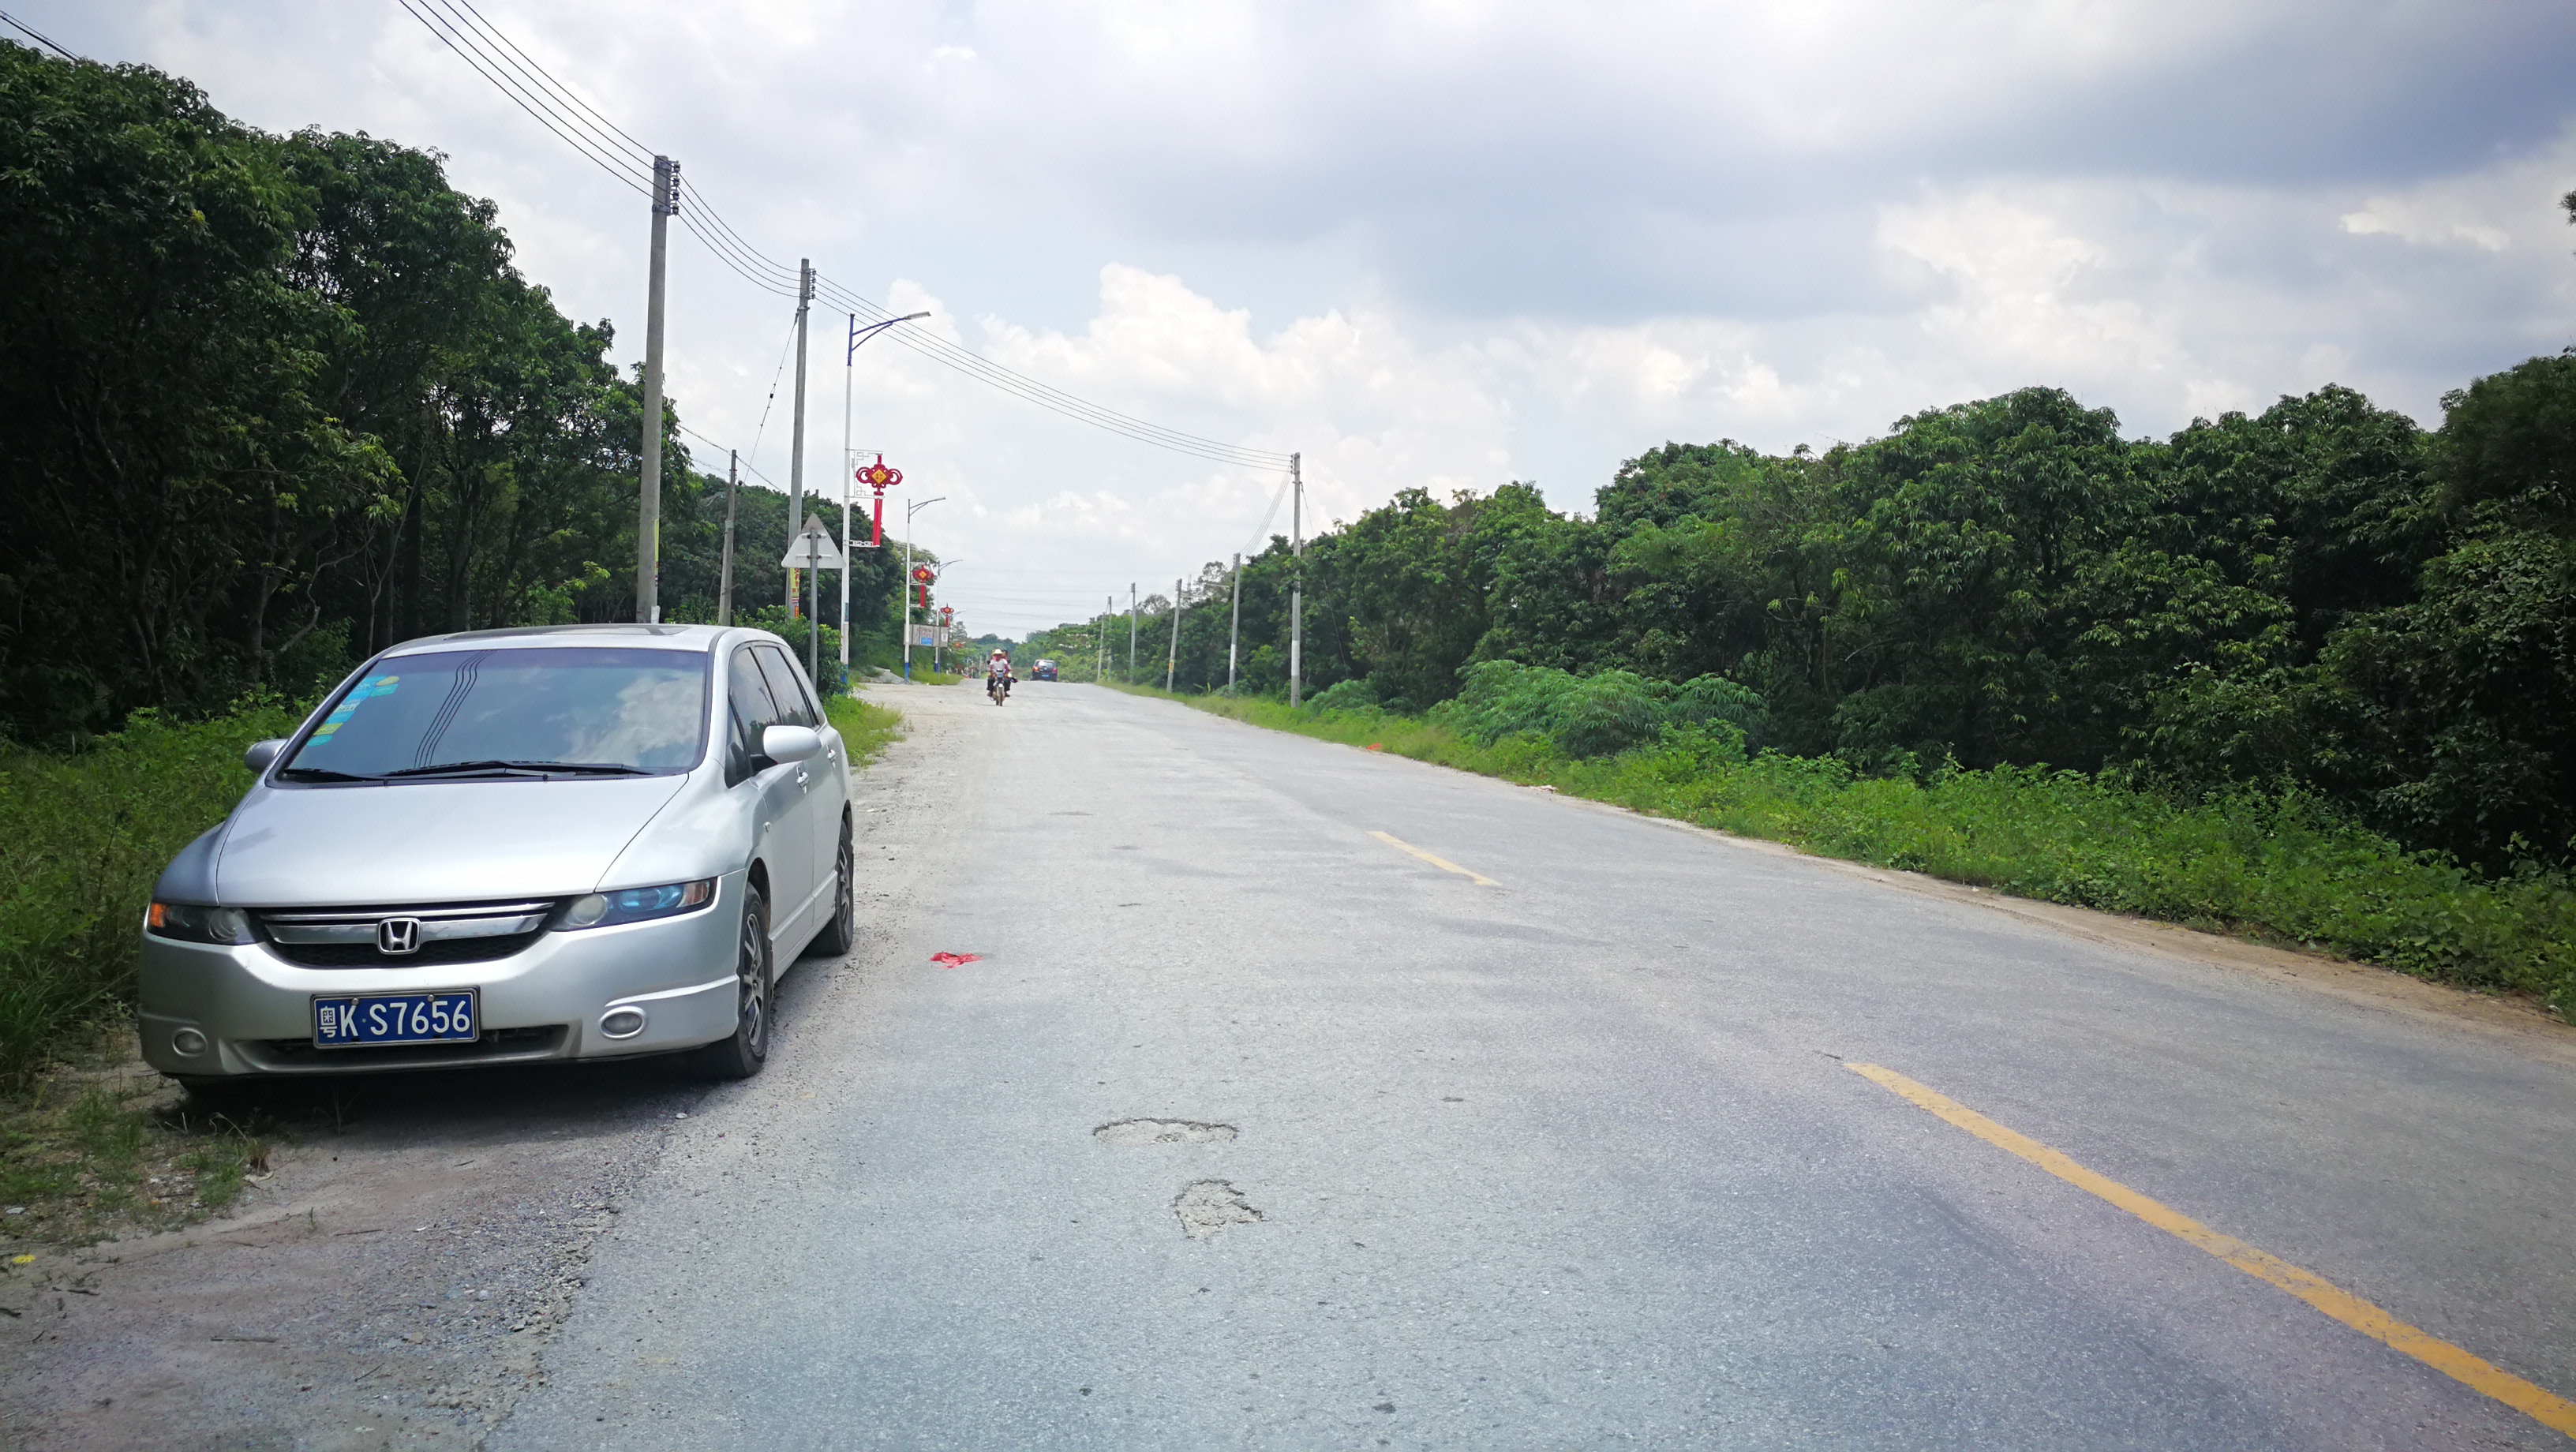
x=552 y=711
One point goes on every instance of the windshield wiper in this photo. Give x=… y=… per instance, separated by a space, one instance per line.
x=522 y=768
x=322 y=773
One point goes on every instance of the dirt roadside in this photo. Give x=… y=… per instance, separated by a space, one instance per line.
x=393 y=1282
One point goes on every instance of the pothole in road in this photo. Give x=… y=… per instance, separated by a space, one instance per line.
x=1208 y=1206
x=1163 y=1131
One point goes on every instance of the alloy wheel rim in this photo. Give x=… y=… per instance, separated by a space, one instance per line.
x=755 y=1006
x=848 y=908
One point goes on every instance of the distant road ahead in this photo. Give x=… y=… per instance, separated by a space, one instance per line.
x=1486 y=1119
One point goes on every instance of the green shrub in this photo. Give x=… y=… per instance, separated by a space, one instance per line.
x=82 y=839
x=829 y=679
x=1595 y=715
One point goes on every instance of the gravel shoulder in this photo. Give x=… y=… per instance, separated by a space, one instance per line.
x=394 y=1281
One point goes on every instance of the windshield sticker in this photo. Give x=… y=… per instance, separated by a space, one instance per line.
x=368 y=690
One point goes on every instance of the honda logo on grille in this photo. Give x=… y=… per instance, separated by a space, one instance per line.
x=397 y=936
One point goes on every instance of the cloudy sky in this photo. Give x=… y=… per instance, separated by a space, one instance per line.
x=1450 y=244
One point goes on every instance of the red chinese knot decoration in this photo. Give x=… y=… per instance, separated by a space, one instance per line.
x=879 y=478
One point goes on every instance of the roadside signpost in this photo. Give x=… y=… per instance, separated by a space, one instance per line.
x=813 y=552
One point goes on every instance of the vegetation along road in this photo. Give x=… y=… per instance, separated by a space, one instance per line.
x=1304 y=1096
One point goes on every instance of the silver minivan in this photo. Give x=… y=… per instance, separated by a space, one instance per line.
x=507 y=846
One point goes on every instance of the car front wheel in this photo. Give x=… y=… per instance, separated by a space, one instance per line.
x=743 y=1055
x=842 y=933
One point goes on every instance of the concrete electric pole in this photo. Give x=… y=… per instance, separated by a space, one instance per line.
x=1234 y=631
x=1100 y=637
x=1172 y=656
x=1296 y=579
x=648 y=504
x=724 y=574
x=796 y=460
x=1131 y=630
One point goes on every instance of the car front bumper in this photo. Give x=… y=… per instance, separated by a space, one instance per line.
x=253 y=1010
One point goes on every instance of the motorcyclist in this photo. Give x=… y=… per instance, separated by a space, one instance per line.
x=999 y=669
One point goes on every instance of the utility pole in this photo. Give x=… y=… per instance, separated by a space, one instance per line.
x=1234 y=633
x=724 y=576
x=648 y=504
x=1100 y=637
x=1296 y=578
x=849 y=365
x=1131 y=631
x=1172 y=657
x=796 y=460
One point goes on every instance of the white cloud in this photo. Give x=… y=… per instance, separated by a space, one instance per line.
x=1443 y=244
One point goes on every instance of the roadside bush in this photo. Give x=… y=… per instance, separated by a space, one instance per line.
x=82 y=838
x=830 y=679
x=1594 y=715
x=1350 y=695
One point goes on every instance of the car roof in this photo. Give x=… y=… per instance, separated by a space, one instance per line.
x=700 y=638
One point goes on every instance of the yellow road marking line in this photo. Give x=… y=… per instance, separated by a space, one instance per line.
x=1443 y=863
x=2546 y=1408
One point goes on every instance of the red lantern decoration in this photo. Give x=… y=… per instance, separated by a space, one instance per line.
x=879 y=478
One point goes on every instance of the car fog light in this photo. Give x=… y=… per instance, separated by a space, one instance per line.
x=622 y=1023
x=188 y=1043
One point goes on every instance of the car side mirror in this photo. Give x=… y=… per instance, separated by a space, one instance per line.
x=259 y=754
x=791 y=743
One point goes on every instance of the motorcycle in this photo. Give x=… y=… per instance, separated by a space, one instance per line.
x=997 y=686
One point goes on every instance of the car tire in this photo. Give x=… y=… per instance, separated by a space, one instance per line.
x=841 y=934
x=747 y=1050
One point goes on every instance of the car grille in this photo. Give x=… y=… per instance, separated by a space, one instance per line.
x=365 y=955
x=447 y=933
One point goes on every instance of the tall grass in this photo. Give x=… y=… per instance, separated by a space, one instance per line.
x=2273 y=865
x=866 y=727
x=82 y=839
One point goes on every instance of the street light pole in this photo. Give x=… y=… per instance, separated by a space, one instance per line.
x=909 y=510
x=849 y=367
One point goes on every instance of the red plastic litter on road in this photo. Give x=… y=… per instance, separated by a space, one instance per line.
x=956 y=960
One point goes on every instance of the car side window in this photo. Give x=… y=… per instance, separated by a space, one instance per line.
x=787 y=686
x=750 y=710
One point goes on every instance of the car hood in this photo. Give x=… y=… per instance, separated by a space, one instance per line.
x=430 y=842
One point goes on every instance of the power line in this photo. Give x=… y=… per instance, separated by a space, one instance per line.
x=554 y=105
x=530 y=100
x=712 y=444
x=593 y=112
x=39 y=37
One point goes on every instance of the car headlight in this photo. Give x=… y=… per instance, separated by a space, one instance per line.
x=636 y=904
x=191 y=923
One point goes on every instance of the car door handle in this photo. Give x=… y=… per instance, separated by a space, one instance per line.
x=800 y=778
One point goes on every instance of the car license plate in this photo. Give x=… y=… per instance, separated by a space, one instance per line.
x=362 y=1020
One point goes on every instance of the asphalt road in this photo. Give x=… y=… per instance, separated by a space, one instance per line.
x=1572 y=1158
